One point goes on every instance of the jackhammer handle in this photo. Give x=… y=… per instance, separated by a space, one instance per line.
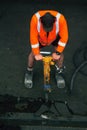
x=45 y=52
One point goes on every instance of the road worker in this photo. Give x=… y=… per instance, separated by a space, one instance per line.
x=47 y=27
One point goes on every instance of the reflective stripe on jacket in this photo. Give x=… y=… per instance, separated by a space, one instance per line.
x=38 y=34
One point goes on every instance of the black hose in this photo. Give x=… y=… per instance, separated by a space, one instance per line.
x=80 y=61
x=75 y=73
x=79 y=57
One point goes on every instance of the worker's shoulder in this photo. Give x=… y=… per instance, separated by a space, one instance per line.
x=53 y=12
x=42 y=12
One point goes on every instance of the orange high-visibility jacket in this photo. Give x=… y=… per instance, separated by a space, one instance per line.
x=39 y=35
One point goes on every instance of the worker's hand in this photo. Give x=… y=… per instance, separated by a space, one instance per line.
x=38 y=57
x=55 y=56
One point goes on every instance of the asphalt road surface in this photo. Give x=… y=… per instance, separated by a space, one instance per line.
x=15 y=47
